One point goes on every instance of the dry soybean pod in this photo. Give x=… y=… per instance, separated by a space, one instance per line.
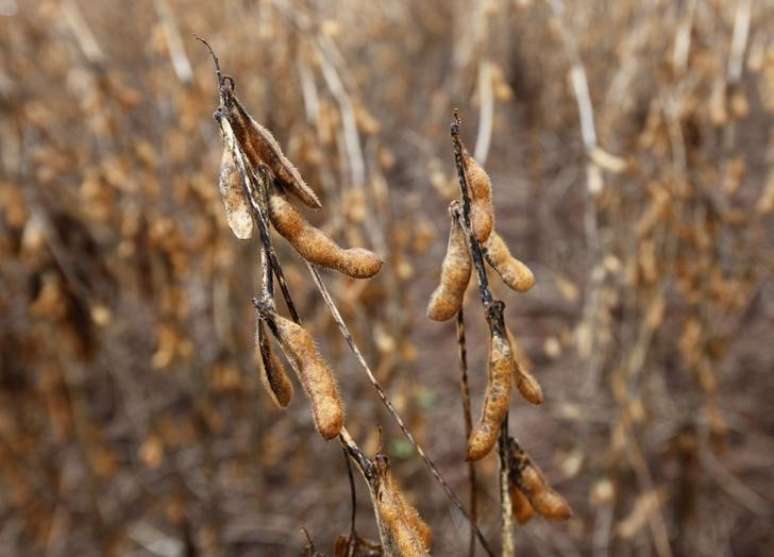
x=526 y=383
x=481 y=205
x=406 y=533
x=315 y=375
x=314 y=246
x=273 y=375
x=526 y=475
x=448 y=297
x=236 y=206
x=515 y=274
x=497 y=398
x=261 y=147
x=522 y=509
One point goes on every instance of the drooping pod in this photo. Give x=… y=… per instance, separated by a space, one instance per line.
x=315 y=376
x=262 y=149
x=515 y=274
x=525 y=382
x=273 y=375
x=448 y=297
x=314 y=246
x=496 y=400
x=528 y=478
x=481 y=205
x=403 y=531
x=522 y=509
x=237 y=207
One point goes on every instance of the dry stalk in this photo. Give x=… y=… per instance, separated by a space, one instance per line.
x=493 y=309
x=256 y=184
x=344 y=329
x=465 y=393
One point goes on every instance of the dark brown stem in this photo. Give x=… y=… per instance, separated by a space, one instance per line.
x=494 y=314
x=352 y=543
x=462 y=175
x=465 y=391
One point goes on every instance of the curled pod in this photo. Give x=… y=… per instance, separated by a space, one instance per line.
x=525 y=382
x=515 y=274
x=481 y=205
x=522 y=509
x=235 y=204
x=314 y=246
x=261 y=148
x=526 y=475
x=403 y=531
x=315 y=375
x=273 y=376
x=447 y=298
x=496 y=400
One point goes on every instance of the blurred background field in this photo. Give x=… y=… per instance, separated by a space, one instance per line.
x=132 y=421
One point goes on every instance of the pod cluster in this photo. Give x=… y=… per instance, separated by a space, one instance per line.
x=313 y=371
x=504 y=371
x=529 y=490
x=262 y=151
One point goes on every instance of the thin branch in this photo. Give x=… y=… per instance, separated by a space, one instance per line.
x=494 y=315
x=506 y=506
x=465 y=392
x=352 y=543
x=390 y=408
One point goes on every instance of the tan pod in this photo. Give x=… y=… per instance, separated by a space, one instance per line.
x=314 y=246
x=315 y=375
x=457 y=266
x=515 y=274
x=496 y=400
x=481 y=205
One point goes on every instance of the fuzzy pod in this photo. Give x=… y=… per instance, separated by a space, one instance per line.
x=456 y=269
x=522 y=509
x=237 y=207
x=550 y=505
x=262 y=149
x=496 y=400
x=314 y=246
x=481 y=205
x=404 y=532
x=527 y=477
x=515 y=274
x=525 y=382
x=273 y=375
x=315 y=375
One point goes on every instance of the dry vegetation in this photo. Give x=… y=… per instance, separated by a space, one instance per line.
x=148 y=364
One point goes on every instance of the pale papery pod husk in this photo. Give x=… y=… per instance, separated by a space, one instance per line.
x=237 y=207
